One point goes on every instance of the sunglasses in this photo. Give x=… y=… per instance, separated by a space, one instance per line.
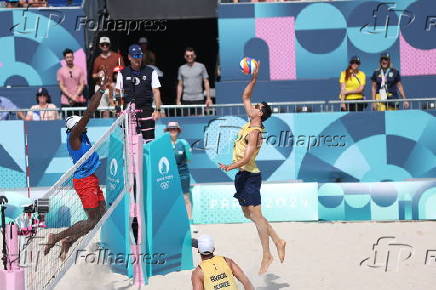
x=104 y=44
x=355 y=62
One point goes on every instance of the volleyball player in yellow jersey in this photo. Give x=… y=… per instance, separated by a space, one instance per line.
x=248 y=180
x=216 y=272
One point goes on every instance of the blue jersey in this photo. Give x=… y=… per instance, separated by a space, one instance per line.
x=90 y=165
x=182 y=152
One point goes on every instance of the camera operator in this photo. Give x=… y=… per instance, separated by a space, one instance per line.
x=140 y=84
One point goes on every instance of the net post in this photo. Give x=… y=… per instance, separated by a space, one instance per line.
x=134 y=142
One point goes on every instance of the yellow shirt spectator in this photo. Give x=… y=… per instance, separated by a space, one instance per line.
x=354 y=82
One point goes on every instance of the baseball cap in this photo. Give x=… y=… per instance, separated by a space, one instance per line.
x=42 y=91
x=206 y=244
x=385 y=55
x=70 y=122
x=135 y=51
x=142 y=39
x=355 y=58
x=105 y=39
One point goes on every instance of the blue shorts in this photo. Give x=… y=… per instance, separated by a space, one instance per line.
x=247 y=186
x=185 y=180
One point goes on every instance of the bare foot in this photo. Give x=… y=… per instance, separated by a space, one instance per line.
x=51 y=241
x=266 y=261
x=65 y=247
x=281 y=245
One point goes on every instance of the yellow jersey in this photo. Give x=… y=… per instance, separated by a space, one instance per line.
x=353 y=83
x=240 y=146
x=217 y=274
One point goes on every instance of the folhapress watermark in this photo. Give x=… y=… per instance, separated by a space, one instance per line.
x=105 y=24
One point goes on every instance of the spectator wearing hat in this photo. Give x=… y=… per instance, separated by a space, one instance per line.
x=104 y=65
x=386 y=85
x=216 y=272
x=71 y=79
x=148 y=58
x=43 y=102
x=183 y=154
x=193 y=82
x=140 y=84
x=6 y=104
x=352 y=82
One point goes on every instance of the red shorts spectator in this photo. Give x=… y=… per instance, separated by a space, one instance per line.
x=89 y=191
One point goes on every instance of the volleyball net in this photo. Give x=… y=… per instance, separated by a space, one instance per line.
x=44 y=271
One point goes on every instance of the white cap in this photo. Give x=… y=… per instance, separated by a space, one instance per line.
x=105 y=39
x=142 y=40
x=70 y=122
x=206 y=244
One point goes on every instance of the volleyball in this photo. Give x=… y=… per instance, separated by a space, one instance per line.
x=248 y=65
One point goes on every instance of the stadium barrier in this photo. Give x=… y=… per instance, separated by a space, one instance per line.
x=375 y=201
x=238 y=109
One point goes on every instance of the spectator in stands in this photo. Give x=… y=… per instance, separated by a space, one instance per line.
x=71 y=79
x=193 y=81
x=104 y=65
x=12 y=3
x=352 y=81
x=149 y=58
x=386 y=85
x=6 y=104
x=43 y=101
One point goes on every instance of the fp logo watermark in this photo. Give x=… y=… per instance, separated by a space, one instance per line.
x=38 y=23
x=386 y=18
x=387 y=254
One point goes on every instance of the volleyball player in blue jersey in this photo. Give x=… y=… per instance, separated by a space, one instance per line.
x=85 y=182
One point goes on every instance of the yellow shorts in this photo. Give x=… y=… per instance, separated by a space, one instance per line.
x=384 y=106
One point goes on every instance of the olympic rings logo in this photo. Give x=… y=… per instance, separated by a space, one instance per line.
x=165 y=185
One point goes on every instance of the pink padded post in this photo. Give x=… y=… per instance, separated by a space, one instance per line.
x=13 y=247
x=135 y=144
x=12 y=279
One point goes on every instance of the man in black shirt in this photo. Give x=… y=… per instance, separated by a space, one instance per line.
x=140 y=84
x=386 y=85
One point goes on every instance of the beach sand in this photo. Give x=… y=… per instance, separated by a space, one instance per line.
x=320 y=256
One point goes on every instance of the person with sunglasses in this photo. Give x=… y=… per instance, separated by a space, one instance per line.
x=72 y=81
x=248 y=180
x=43 y=102
x=193 y=81
x=104 y=65
x=352 y=81
x=386 y=85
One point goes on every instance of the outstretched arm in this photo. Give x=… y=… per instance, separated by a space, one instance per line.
x=249 y=151
x=77 y=131
x=248 y=91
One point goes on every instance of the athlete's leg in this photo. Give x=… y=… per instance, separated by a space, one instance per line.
x=94 y=216
x=262 y=229
x=271 y=232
